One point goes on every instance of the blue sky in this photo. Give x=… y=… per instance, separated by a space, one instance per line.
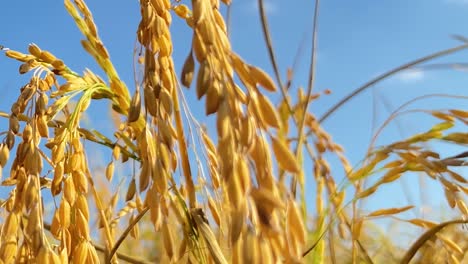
x=357 y=40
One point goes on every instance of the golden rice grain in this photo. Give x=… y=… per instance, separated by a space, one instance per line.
x=150 y=101
x=63 y=256
x=265 y=249
x=56 y=187
x=145 y=175
x=135 y=231
x=4 y=155
x=453 y=259
x=450 y=244
x=34 y=50
x=10 y=140
x=214 y=210
x=69 y=190
x=250 y=250
x=450 y=197
x=18 y=55
x=59 y=65
x=55 y=227
x=82 y=225
x=135 y=107
x=81 y=205
x=247 y=132
x=219 y=20
x=75 y=162
x=43 y=255
x=139 y=203
x=443 y=116
x=461 y=138
x=236 y=256
x=223 y=122
x=268 y=112
x=199 y=10
x=285 y=158
x=215 y=179
x=14 y=124
x=25 y=67
x=390 y=211
x=110 y=170
x=262 y=78
x=199 y=47
x=31 y=194
x=182 y=247
x=168 y=240
x=163 y=153
x=131 y=190
x=204 y=79
x=265 y=200
x=366 y=192
x=448 y=184
x=294 y=221
x=58 y=152
x=165 y=46
x=80 y=181
x=459 y=113
x=242 y=70
x=457 y=177
x=213 y=98
x=462 y=207
x=128 y=208
x=182 y=11
x=237 y=223
x=80 y=253
x=42 y=126
x=393 y=174
x=116 y=152
x=166 y=101
x=209 y=237
x=64 y=214
x=187 y=71
x=10 y=226
x=161 y=179
x=47 y=56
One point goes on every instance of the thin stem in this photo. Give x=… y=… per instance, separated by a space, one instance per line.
x=122 y=256
x=126 y=232
x=388 y=74
x=273 y=62
x=427 y=236
x=269 y=43
x=300 y=130
x=99 y=207
x=399 y=110
x=296 y=60
x=313 y=55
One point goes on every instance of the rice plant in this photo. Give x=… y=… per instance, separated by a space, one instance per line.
x=236 y=196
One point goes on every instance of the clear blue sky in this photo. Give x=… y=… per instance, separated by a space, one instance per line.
x=357 y=41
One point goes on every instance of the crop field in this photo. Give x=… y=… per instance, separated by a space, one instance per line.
x=235 y=189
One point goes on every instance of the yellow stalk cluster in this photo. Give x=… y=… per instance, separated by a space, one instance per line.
x=240 y=211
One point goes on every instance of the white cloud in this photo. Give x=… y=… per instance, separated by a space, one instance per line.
x=457 y=1
x=270 y=6
x=411 y=75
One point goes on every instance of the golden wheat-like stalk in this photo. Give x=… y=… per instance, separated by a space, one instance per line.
x=241 y=210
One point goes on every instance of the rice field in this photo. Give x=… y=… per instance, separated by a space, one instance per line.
x=237 y=196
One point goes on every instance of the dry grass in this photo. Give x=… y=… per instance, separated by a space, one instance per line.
x=243 y=200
